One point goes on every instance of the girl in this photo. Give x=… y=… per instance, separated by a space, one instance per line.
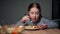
x=34 y=18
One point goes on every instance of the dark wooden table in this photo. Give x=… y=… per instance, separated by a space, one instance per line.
x=46 y=31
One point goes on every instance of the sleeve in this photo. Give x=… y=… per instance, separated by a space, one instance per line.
x=50 y=24
x=25 y=24
x=19 y=23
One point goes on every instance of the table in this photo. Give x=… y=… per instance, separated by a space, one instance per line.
x=46 y=31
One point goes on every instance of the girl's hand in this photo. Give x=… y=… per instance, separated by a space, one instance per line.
x=25 y=18
x=43 y=26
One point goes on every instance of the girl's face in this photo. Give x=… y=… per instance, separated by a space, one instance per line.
x=34 y=14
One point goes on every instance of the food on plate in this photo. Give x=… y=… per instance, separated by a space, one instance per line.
x=29 y=27
x=36 y=26
x=32 y=27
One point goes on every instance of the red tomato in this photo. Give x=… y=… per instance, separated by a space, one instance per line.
x=16 y=27
x=36 y=26
x=14 y=32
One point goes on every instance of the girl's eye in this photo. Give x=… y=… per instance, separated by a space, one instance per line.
x=32 y=12
x=36 y=13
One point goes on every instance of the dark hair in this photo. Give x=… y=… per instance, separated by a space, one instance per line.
x=34 y=5
x=37 y=6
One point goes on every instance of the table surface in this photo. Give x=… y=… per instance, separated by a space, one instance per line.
x=46 y=31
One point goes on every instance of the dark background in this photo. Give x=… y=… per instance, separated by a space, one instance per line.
x=56 y=11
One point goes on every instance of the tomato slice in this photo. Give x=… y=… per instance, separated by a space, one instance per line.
x=36 y=26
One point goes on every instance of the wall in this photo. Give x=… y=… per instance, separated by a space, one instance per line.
x=14 y=10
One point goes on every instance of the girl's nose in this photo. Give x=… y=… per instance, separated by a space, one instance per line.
x=34 y=15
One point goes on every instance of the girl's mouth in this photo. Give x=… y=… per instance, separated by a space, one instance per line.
x=34 y=18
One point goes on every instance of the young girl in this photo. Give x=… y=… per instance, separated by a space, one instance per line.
x=34 y=18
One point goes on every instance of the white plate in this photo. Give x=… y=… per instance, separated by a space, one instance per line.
x=30 y=28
